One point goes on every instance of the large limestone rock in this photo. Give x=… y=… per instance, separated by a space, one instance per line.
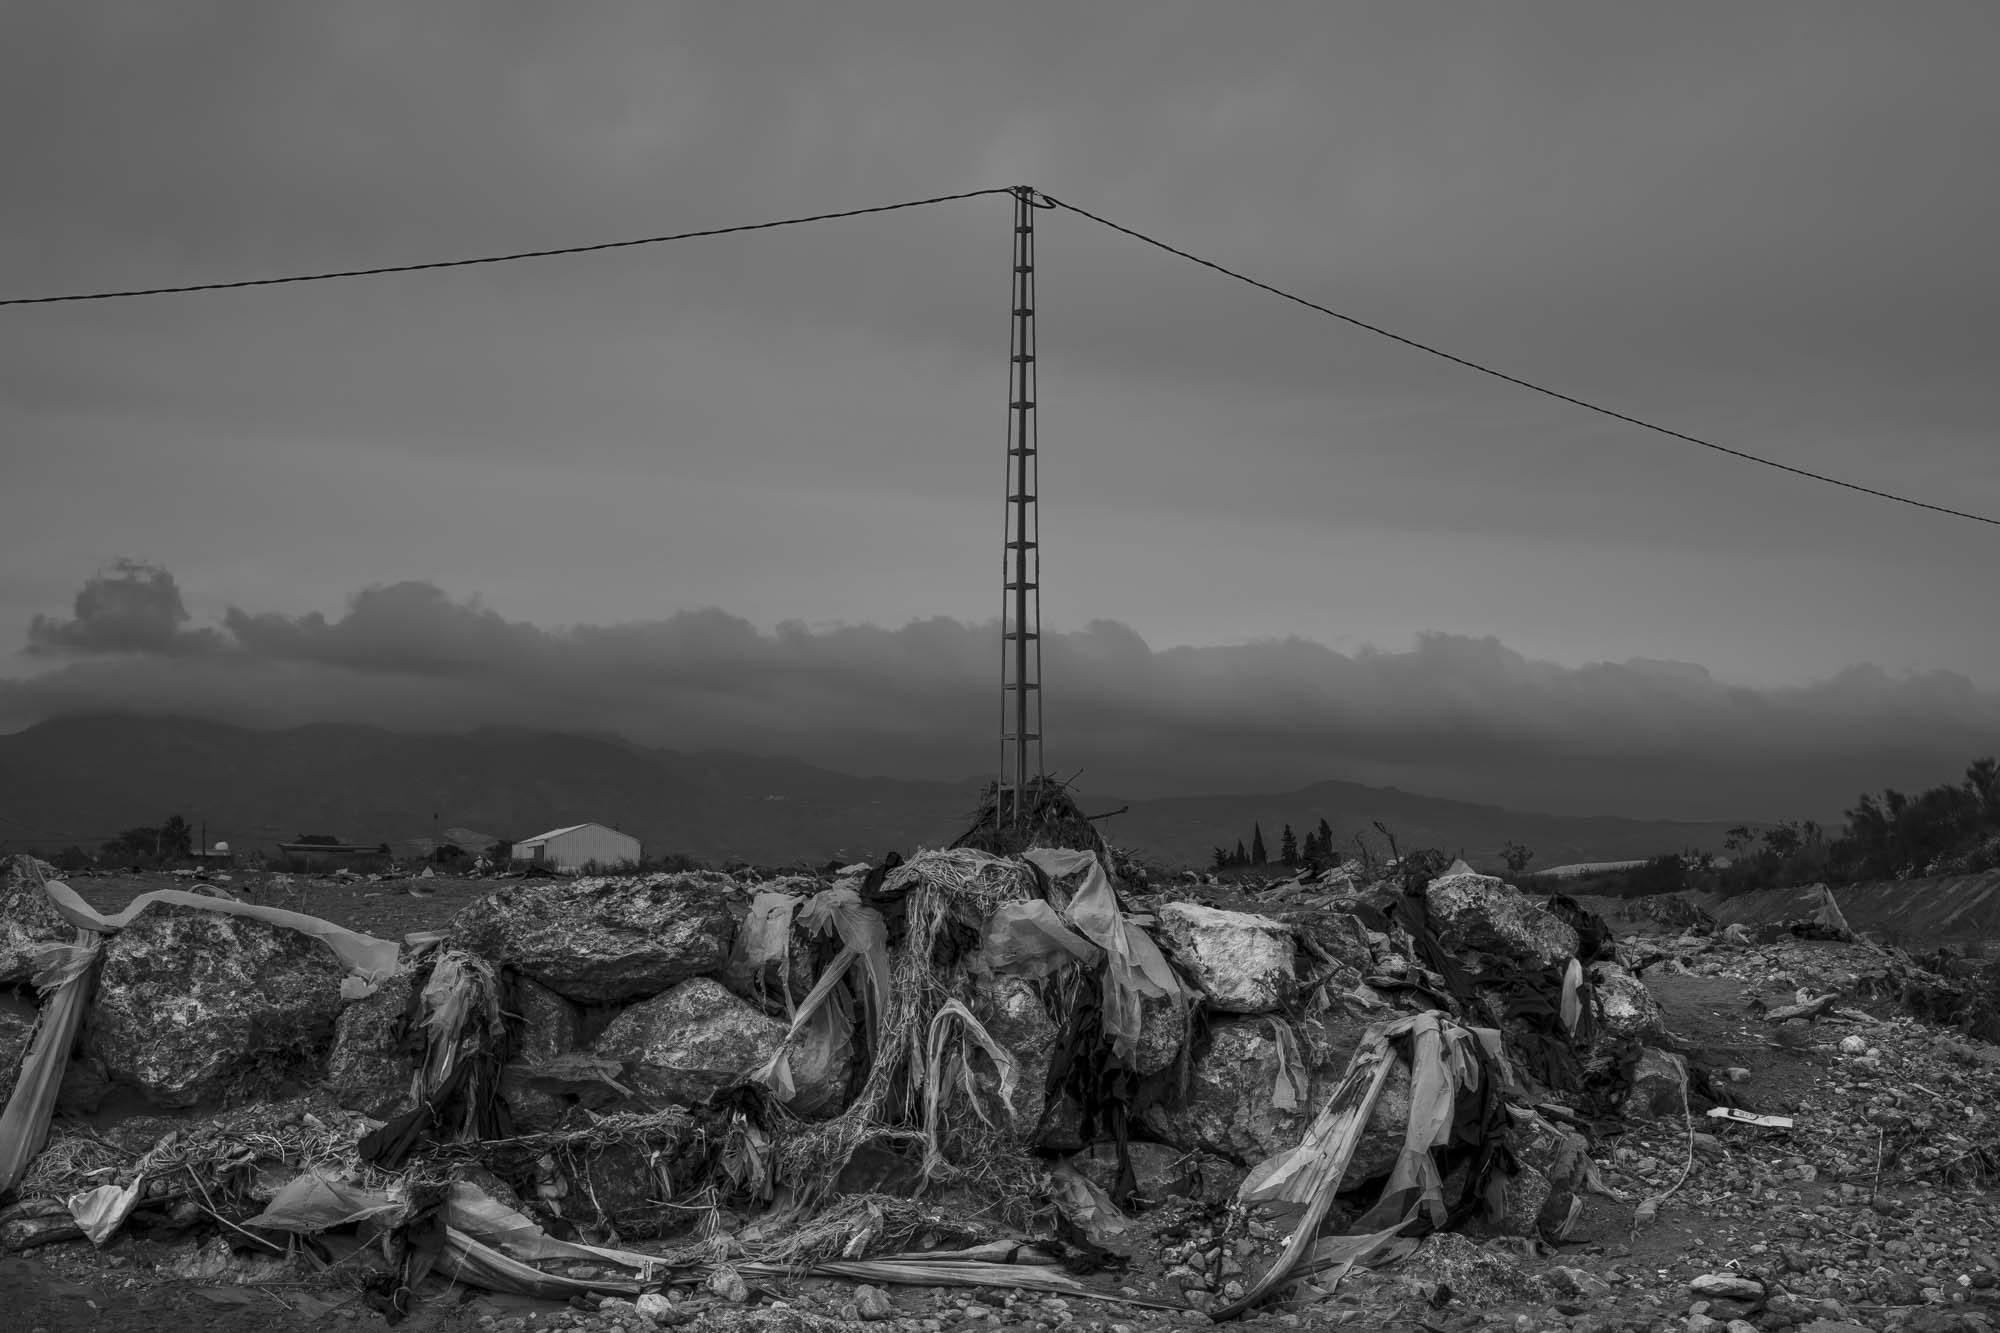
x=604 y=941
x=196 y=1006
x=27 y=921
x=369 y=1070
x=1245 y=964
x=1230 y=1109
x=698 y=1041
x=1626 y=1010
x=1476 y=913
x=1338 y=935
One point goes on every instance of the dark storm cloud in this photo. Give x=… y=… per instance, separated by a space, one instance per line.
x=1456 y=715
x=134 y=608
x=1761 y=223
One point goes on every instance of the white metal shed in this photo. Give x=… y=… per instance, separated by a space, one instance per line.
x=578 y=845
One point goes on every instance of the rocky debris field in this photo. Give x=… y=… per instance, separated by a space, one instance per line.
x=222 y=1058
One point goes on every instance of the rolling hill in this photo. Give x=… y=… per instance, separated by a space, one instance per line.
x=82 y=780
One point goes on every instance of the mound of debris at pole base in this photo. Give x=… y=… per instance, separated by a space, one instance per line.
x=968 y=1089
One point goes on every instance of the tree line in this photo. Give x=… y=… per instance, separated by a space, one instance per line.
x=1949 y=829
x=1316 y=847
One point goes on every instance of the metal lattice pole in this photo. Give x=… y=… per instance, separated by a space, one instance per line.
x=1021 y=601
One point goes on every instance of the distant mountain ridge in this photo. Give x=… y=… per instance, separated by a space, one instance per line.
x=82 y=780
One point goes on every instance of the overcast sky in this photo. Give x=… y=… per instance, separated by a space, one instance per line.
x=1771 y=225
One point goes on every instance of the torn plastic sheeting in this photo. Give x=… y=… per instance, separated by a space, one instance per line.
x=100 y=1212
x=936 y=1080
x=1572 y=996
x=1294 y=1176
x=1086 y=1206
x=59 y=962
x=1333 y=1257
x=1060 y=864
x=864 y=933
x=1028 y=939
x=1134 y=968
x=311 y=1203
x=1293 y=1083
x=1740 y=1117
x=1829 y=914
x=1311 y=1173
x=479 y=1215
x=816 y=1019
x=766 y=938
x=480 y=1265
x=369 y=958
x=1444 y=1061
x=24 y=1125
x=950 y=1273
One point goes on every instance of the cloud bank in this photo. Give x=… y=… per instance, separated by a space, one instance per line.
x=1451 y=715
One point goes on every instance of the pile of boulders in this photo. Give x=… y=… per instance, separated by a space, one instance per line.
x=636 y=993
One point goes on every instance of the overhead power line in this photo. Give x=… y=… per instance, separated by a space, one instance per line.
x=1047 y=200
x=1521 y=383
x=493 y=259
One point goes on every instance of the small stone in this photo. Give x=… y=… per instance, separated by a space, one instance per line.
x=659 y=1309
x=729 y=1285
x=1733 y=1286
x=873 y=1303
x=1577 y=1282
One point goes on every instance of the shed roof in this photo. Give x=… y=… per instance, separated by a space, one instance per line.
x=568 y=828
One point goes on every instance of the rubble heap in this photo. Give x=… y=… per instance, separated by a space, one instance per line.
x=966 y=1069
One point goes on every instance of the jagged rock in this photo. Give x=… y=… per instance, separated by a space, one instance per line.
x=1659 y=1085
x=601 y=941
x=1011 y=1010
x=547 y=1027
x=1552 y=1171
x=550 y=1025
x=17 y=1028
x=1476 y=913
x=1339 y=935
x=696 y=1042
x=1625 y=1008
x=1228 y=1109
x=1245 y=964
x=27 y=920
x=367 y=1072
x=193 y=1006
x=620 y=1188
x=1163 y=1022
x=1064 y=1131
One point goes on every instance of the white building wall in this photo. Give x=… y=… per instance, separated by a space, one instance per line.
x=592 y=842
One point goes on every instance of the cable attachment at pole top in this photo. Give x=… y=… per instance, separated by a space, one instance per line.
x=1028 y=195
